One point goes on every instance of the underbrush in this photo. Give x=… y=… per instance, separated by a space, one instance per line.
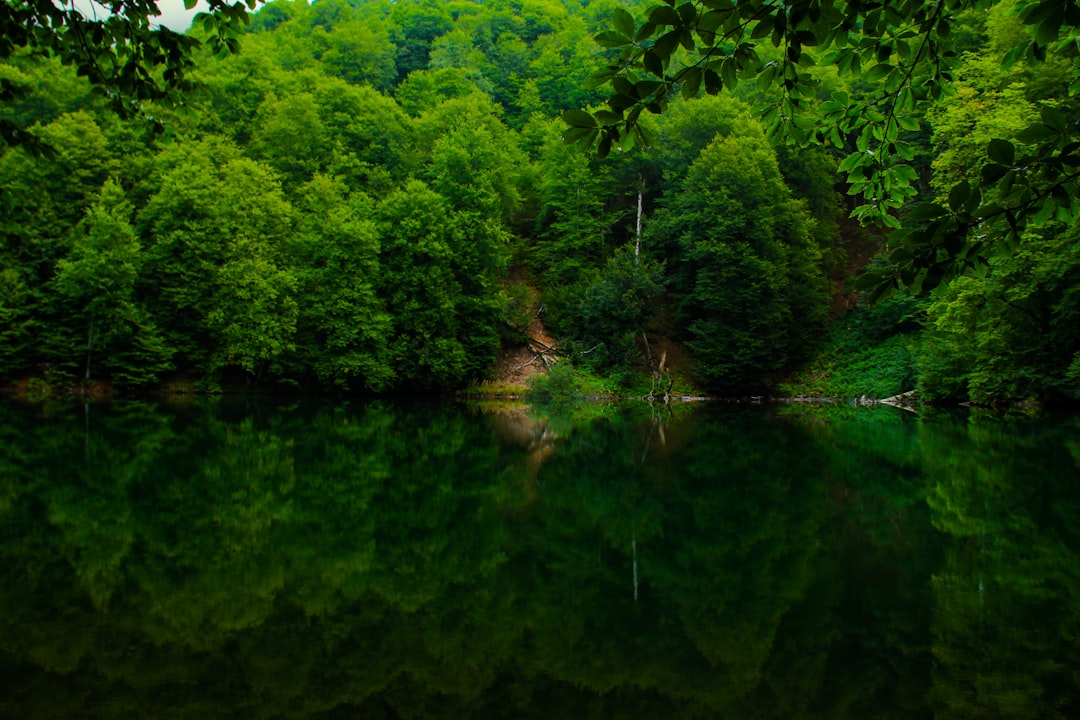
x=872 y=352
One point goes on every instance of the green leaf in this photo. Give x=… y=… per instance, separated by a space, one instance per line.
x=878 y=72
x=645 y=136
x=606 y=117
x=647 y=87
x=604 y=147
x=624 y=87
x=665 y=45
x=618 y=103
x=611 y=39
x=761 y=29
x=687 y=12
x=711 y=21
x=1036 y=133
x=578 y=119
x=973 y=201
x=1001 y=152
x=623 y=22
x=1054 y=118
x=908 y=123
x=958 y=196
x=653 y=63
x=691 y=81
x=991 y=173
x=664 y=15
x=713 y=83
x=573 y=134
x=600 y=77
x=926 y=211
x=189 y=4
x=729 y=73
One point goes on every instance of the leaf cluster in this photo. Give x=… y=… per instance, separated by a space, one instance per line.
x=900 y=57
x=127 y=58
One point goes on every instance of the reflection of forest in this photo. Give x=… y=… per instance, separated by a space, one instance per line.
x=387 y=561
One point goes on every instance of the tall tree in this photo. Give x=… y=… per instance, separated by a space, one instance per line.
x=217 y=226
x=343 y=329
x=905 y=54
x=100 y=276
x=743 y=267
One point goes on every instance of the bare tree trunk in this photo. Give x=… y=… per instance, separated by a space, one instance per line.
x=89 y=348
x=640 y=204
x=648 y=353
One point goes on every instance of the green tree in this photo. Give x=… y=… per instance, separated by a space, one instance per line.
x=100 y=276
x=119 y=52
x=45 y=198
x=417 y=282
x=254 y=308
x=16 y=322
x=343 y=329
x=475 y=159
x=616 y=309
x=1011 y=333
x=217 y=226
x=416 y=24
x=292 y=137
x=905 y=55
x=744 y=270
x=572 y=226
x=359 y=53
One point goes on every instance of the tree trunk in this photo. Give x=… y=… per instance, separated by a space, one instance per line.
x=637 y=231
x=89 y=349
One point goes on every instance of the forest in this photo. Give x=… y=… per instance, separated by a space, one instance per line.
x=381 y=197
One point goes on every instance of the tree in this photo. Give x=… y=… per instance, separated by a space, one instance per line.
x=572 y=228
x=1012 y=333
x=118 y=49
x=904 y=53
x=419 y=288
x=744 y=270
x=290 y=135
x=343 y=330
x=100 y=276
x=416 y=25
x=616 y=308
x=217 y=229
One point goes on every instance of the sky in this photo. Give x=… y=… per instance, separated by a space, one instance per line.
x=173 y=15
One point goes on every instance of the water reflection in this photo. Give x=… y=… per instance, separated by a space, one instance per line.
x=430 y=561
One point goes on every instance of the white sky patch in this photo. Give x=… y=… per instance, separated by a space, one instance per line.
x=173 y=13
x=175 y=17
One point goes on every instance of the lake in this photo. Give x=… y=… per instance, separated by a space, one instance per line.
x=379 y=560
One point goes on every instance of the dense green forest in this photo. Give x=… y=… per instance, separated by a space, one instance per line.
x=378 y=196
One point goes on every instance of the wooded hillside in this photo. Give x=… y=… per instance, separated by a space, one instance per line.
x=368 y=194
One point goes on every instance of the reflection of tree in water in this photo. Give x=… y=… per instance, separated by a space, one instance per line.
x=1007 y=600
x=392 y=562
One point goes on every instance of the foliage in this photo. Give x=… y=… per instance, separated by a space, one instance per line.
x=1010 y=335
x=342 y=206
x=903 y=54
x=219 y=224
x=119 y=52
x=99 y=276
x=615 y=308
x=874 y=352
x=567 y=383
x=342 y=326
x=746 y=276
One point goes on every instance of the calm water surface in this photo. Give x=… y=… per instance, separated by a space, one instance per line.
x=439 y=561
